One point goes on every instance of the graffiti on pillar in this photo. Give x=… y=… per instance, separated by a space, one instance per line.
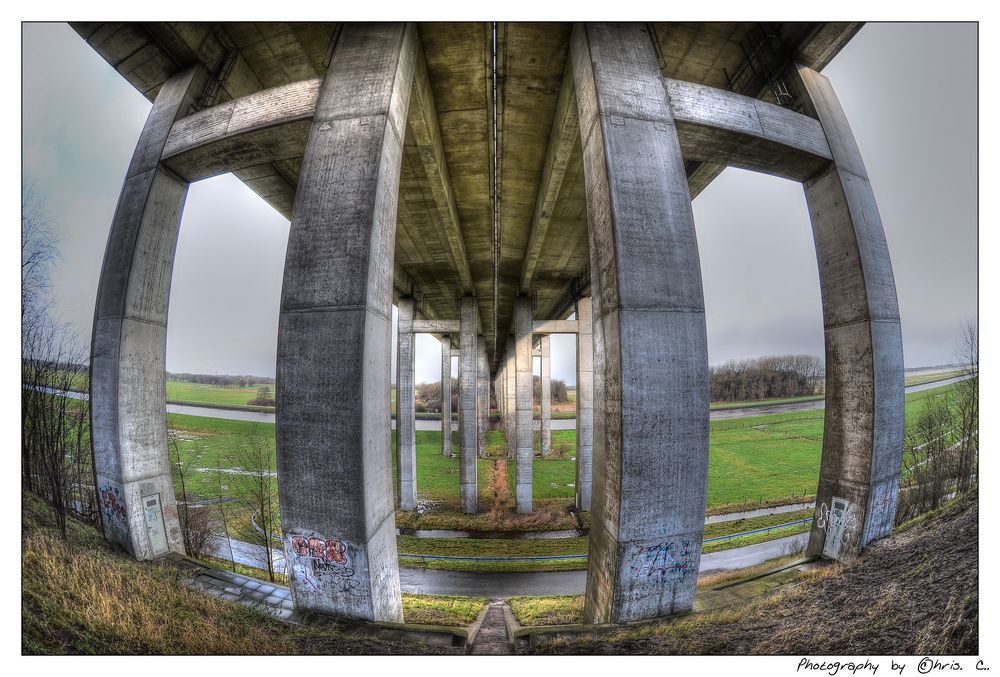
x=881 y=510
x=663 y=562
x=113 y=511
x=842 y=524
x=323 y=563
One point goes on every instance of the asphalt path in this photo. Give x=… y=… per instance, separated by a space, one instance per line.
x=478 y=584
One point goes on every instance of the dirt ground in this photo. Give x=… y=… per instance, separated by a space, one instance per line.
x=915 y=593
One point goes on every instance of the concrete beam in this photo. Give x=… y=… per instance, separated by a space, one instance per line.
x=524 y=432
x=555 y=327
x=446 y=395
x=334 y=335
x=651 y=371
x=128 y=351
x=427 y=136
x=468 y=403
x=406 y=420
x=437 y=326
x=565 y=132
x=723 y=128
x=863 y=420
x=546 y=394
x=263 y=127
x=584 y=404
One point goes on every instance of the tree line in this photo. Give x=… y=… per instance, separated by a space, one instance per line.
x=763 y=378
x=222 y=380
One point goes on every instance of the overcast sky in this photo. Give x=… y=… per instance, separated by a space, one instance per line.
x=912 y=108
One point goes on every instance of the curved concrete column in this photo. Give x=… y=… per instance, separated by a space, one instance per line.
x=483 y=386
x=334 y=334
x=406 y=419
x=546 y=395
x=446 y=395
x=468 y=405
x=584 y=403
x=650 y=349
x=863 y=421
x=128 y=352
x=510 y=411
x=524 y=433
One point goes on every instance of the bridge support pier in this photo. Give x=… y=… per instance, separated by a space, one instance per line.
x=128 y=351
x=468 y=404
x=523 y=429
x=334 y=336
x=546 y=396
x=650 y=348
x=406 y=441
x=863 y=421
x=584 y=403
x=510 y=413
x=446 y=395
x=483 y=385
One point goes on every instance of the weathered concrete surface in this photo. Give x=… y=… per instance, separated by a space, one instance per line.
x=483 y=394
x=863 y=422
x=128 y=352
x=650 y=348
x=546 y=395
x=584 y=403
x=334 y=474
x=524 y=433
x=720 y=127
x=468 y=405
x=406 y=416
x=446 y=395
x=510 y=411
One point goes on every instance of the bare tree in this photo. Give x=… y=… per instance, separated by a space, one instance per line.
x=195 y=521
x=254 y=488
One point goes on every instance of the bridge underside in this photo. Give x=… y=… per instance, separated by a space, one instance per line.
x=446 y=228
x=491 y=181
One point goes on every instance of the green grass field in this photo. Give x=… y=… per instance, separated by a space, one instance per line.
x=750 y=459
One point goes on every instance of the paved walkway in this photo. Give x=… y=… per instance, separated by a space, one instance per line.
x=492 y=640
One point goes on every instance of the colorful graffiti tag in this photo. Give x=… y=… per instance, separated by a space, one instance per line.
x=319 y=562
x=113 y=510
x=665 y=561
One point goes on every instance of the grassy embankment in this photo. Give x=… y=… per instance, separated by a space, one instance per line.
x=80 y=597
x=914 y=593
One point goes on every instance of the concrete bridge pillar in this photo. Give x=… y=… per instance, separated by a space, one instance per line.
x=584 y=403
x=863 y=421
x=483 y=386
x=510 y=415
x=128 y=351
x=446 y=395
x=650 y=348
x=406 y=441
x=334 y=336
x=524 y=433
x=468 y=404
x=546 y=396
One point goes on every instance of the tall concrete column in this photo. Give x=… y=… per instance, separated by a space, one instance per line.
x=650 y=348
x=584 y=403
x=406 y=418
x=128 y=352
x=468 y=403
x=510 y=413
x=546 y=415
x=446 y=395
x=524 y=433
x=334 y=333
x=483 y=385
x=863 y=421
